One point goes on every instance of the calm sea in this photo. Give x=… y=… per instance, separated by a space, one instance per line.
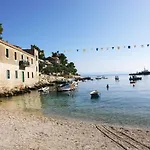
x=122 y=104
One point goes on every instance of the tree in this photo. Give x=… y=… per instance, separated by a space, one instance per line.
x=1 y=31
x=40 y=52
x=63 y=59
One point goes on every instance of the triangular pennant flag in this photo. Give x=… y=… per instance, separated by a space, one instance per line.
x=96 y=49
x=134 y=46
x=112 y=47
x=129 y=47
x=118 y=47
x=147 y=45
x=84 y=50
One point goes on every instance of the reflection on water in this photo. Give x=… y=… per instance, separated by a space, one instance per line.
x=26 y=102
x=121 y=104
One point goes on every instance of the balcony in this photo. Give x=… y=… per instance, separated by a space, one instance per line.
x=24 y=63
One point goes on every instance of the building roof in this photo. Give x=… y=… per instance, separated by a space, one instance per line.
x=15 y=47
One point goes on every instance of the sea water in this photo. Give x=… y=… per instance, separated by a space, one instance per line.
x=122 y=104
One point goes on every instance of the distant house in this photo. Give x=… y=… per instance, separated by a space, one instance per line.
x=53 y=60
x=18 y=67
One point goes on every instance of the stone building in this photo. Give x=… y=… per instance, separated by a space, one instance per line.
x=18 y=67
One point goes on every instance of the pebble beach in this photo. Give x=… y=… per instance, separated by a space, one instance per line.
x=29 y=131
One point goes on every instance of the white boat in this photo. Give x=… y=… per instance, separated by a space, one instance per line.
x=65 y=87
x=44 y=89
x=94 y=94
x=75 y=84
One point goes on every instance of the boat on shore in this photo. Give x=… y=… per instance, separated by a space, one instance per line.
x=144 y=72
x=134 y=78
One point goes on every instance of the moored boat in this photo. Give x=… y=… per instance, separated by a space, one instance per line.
x=132 y=82
x=94 y=94
x=66 y=87
x=134 y=78
x=98 y=78
x=116 y=78
x=44 y=89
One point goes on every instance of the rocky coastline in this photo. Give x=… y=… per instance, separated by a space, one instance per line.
x=44 y=81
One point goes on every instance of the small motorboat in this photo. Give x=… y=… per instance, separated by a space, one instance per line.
x=75 y=84
x=66 y=87
x=44 y=89
x=132 y=82
x=134 y=78
x=103 y=77
x=98 y=78
x=116 y=78
x=94 y=94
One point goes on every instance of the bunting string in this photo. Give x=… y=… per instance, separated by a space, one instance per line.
x=129 y=47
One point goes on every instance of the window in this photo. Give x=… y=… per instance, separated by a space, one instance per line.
x=15 y=55
x=27 y=58
x=28 y=74
x=22 y=57
x=36 y=57
x=16 y=74
x=8 y=74
x=32 y=75
x=7 y=53
x=31 y=61
x=36 y=69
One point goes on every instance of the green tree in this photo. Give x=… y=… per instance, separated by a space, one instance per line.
x=1 y=30
x=40 y=52
x=55 y=54
x=63 y=59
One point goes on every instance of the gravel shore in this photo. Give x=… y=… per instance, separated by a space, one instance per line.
x=28 y=131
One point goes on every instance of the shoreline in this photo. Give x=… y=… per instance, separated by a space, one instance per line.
x=44 y=81
x=21 y=130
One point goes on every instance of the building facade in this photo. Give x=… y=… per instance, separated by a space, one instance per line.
x=18 y=67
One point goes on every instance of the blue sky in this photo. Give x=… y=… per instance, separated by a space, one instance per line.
x=82 y=24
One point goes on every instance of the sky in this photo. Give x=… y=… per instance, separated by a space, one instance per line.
x=58 y=25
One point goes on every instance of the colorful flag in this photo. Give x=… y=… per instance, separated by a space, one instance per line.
x=84 y=50
x=129 y=47
x=134 y=46
x=118 y=47
x=77 y=50
x=112 y=47
x=96 y=49
x=142 y=45
x=147 y=45
x=101 y=48
x=124 y=46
